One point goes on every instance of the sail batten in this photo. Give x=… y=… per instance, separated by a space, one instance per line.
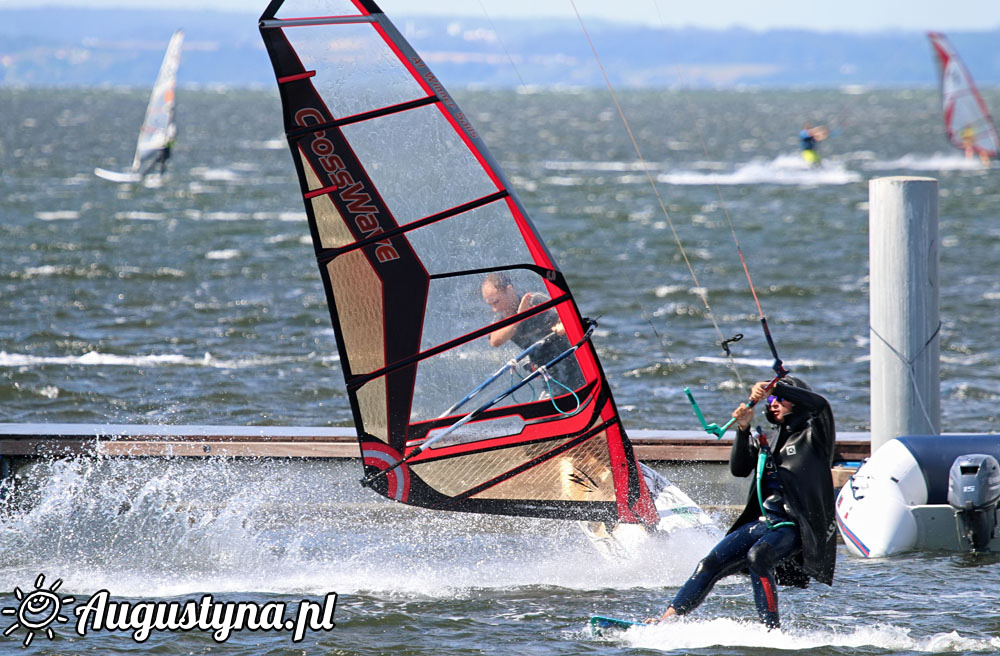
x=436 y=277
x=305 y=22
x=384 y=111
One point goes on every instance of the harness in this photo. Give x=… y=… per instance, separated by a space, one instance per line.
x=763 y=455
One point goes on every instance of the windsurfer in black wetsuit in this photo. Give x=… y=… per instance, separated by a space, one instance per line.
x=499 y=293
x=159 y=159
x=791 y=535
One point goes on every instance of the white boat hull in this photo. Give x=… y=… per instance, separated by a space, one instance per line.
x=897 y=500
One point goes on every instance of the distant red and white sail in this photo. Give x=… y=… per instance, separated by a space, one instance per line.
x=966 y=119
x=411 y=218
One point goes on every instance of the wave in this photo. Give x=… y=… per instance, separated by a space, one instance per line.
x=93 y=358
x=613 y=167
x=782 y=170
x=57 y=215
x=686 y=634
x=755 y=362
x=936 y=162
x=290 y=216
x=215 y=174
x=224 y=254
x=136 y=215
x=174 y=526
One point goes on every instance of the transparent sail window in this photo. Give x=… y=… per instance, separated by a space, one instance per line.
x=482 y=238
x=418 y=162
x=356 y=72
x=489 y=365
x=315 y=8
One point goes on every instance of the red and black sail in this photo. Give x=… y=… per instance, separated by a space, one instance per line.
x=410 y=217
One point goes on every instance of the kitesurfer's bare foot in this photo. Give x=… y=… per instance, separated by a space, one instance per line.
x=669 y=613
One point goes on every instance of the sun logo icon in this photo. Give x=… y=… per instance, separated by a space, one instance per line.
x=38 y=610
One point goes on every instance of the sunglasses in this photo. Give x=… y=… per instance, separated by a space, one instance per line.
x=772 y=399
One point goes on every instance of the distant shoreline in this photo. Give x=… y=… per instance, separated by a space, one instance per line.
x=83 y=47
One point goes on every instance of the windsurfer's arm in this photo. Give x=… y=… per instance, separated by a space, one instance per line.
x=501 y=336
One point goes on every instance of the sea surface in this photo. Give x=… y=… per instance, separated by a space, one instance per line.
x=198 y=301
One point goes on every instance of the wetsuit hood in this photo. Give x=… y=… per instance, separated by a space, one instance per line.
x=798 y=415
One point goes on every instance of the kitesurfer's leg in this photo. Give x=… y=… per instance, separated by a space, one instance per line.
x=762 y=558
x=726 y=558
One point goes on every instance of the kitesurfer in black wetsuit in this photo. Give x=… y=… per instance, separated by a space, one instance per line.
x=499 y=293
x=791 y=535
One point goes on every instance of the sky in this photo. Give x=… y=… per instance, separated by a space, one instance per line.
x=825 y=15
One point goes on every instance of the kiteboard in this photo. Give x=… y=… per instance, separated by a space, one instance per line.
x=600 y=625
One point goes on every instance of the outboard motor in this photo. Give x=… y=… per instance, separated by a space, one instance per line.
x=973 y=491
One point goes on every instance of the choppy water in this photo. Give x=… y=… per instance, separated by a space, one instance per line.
x=198 y=302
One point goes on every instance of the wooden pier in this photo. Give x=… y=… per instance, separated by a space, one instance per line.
x=28 y=441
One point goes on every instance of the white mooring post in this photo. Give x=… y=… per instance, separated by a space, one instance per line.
x=904 y=322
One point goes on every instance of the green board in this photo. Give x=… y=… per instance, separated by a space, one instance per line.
x=600 y=625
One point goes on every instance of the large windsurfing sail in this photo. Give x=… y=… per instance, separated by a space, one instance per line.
x=966 y=119
x=416 y=230
x=158 y=130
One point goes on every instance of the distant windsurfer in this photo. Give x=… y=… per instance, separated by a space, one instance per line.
x=499 y=293
x=808 y=138
x=968 y=135
x=160 y=158
x=790 y=535
x=967 y=120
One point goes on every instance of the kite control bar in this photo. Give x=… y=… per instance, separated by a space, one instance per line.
x=715 y=429
x=779 y=373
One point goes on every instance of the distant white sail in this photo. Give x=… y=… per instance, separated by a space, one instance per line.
x=158 y=130
x=966 y=119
